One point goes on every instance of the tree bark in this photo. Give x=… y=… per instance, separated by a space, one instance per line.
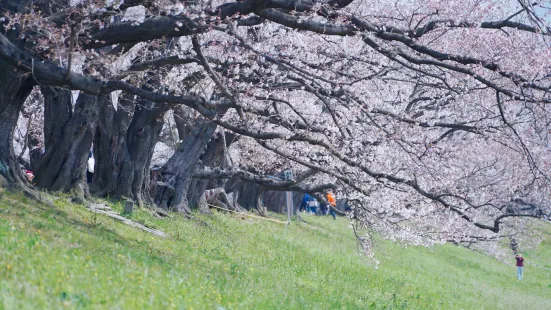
x=15 y=6
x=142 y=135
x=13 y=93
x=63 y=166
x=35 y=156
x=213 y=156
x=183 y=117
x=176 y=174
x=253 y=196
x=58 y=110
x=125 y=144
x=260 y=207
x=248 y=192
x=14 y=90
x=110 y=143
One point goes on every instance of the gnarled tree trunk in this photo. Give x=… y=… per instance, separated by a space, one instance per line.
x=58 y=110
x=183 y=117
x=213 y=157
x=64 y=164
x=176 y=174
x=110 y=143
x=127 y=148
x=14 y=90
x=249 y=194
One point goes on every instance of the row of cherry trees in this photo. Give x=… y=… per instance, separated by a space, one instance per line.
x=429 y=116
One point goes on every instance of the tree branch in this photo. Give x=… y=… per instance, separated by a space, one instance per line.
x=268 y=183
x=50 y=74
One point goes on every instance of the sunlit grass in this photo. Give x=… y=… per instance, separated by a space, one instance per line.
x=51 y=257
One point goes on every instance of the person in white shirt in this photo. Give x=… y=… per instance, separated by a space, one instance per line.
x=90 y=170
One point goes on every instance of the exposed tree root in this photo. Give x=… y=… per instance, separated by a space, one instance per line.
x=105 y=210
x=248 y=215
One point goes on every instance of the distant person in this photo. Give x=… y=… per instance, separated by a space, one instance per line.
x=347 y=206
x=304 y=203
x=318 y=208
x=90 y=170
x=323 y=209
x=154 y=177
x=332 y=203
x=29 y=175
x=520 y=265
x=313 y=204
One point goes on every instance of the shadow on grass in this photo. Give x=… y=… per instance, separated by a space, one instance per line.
x=42 y=216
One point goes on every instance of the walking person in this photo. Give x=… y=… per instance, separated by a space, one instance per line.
x=323 y=208
x=312 y=203
x=520 y=265
x=332 y=203
x=304 y=204
x=317 y=207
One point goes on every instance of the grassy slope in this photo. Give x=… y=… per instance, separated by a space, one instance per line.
x=66 y=256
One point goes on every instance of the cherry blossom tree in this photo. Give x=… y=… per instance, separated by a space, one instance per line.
x=430 y=116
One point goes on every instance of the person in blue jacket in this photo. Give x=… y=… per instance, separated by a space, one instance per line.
x=304 y=202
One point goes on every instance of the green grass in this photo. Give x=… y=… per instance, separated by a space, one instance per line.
x=65 y=256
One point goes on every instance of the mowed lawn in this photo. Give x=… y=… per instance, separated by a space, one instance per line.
x=66 y=257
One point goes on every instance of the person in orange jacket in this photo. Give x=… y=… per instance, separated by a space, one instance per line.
x=332 y=202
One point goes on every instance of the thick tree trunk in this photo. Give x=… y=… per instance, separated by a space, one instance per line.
x=110 y=143
x=260 y=207
x=14 y=89
x=47 y=7
x=213 y=157
x=275 y=201
x=183 y=117
x=58 y=110
x=16 y=6
x=35 y=156
x=176 y=174
x=142 y=135
x=253 y=196
x=126 y=143
x=63 y=166
x=248 y=193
